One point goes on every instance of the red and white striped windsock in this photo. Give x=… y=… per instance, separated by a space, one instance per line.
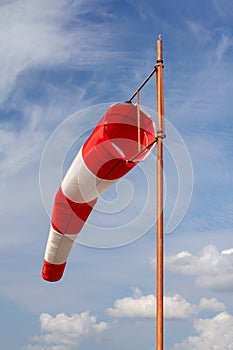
x=123 y=137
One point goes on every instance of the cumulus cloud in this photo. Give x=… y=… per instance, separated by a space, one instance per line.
x=64 y=332
x=211 y=269
x=134 y=307
x=213 y=333
x=176 y=307
x=211 y=304
x=144 y=306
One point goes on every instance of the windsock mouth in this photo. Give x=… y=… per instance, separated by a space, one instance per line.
x=121 y=139
x=131 y=132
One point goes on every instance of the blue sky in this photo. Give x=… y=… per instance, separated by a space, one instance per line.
x=71 y=58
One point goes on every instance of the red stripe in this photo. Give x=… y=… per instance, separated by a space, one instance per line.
x=68 y=216
x=103 y=164
x=52 y=272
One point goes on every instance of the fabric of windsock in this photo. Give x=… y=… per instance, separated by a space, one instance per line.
x=119 y=141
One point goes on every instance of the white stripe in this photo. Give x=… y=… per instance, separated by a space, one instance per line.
x=80 y=185
x=58 y=246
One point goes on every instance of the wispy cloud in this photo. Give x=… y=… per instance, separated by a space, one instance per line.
x=43 y=35
x=18 y=149
x=201 y=33
x=66 y=34
x=224 y=44
x=223 y=8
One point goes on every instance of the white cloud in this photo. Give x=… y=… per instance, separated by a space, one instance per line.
x=183 y=254
x=44 y=347
x=212 y=269
x=32 y=35
x=18 y=149
x=41 y=34
x=137 y=293
x=51 y=36
x=205 y=36
x=214 y=333
x=227 y=251
x=211 y=305
x=22 y=146
x=64 y=331
x=176 y=307
x=140 y=306
x=199 y=31
x=223 y=8
x=224 y=44
x=133 y=307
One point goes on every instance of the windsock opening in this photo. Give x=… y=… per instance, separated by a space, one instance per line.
x=112 y=149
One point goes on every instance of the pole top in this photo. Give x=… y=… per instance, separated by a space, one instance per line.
x=159 y=49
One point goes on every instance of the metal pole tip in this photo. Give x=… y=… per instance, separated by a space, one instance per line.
x=160 y=36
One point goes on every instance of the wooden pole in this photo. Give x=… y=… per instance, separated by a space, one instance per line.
x=159 y=209
x=158 y=68
x=139 y=122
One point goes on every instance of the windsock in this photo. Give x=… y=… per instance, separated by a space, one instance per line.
x=123 y=137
